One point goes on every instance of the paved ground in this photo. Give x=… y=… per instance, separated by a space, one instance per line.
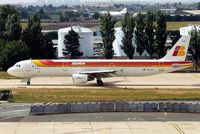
x=170 y=80
x=13 y=112
x=19 y=112
x=15 y=119
x=101 y=128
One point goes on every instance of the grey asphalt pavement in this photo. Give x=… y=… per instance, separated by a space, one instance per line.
x=169 y=80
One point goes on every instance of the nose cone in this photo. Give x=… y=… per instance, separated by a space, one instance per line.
x=10 y=71
x=16 y=72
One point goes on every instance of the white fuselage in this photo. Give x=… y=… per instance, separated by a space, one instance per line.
x=63 y=68
x=115 y=13
x=87 y=70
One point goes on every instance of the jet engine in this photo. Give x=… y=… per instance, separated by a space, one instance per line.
x=81 y=78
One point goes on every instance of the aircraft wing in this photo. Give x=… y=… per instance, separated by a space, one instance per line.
x=102 y=73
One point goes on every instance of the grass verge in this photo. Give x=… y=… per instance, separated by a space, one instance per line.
x=178 y=25
x=5 y=75
x=105 y=94
x=171 y=25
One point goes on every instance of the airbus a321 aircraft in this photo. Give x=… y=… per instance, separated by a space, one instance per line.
x=83 y=71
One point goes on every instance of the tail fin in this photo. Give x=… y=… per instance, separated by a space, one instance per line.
x=179 y=51
x=124 y=10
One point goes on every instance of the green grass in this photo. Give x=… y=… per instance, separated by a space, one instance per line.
x=177 y=25
x=5 y=75
x=105 y=94
x=118 y=24
x=24 y=25
x=171 y=25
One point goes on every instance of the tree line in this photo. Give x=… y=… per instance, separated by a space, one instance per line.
x=148 y=35
x=174 y=18
x=18 y=44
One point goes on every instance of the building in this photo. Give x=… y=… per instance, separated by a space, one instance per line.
x=118 y=43
x=86 y=38
x=192 y=12
x=186 y=30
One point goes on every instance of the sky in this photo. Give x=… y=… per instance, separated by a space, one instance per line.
x=36 y=1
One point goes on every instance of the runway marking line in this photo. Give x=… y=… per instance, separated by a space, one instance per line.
x=180 y=131
x=15 y=111
x=10 y=117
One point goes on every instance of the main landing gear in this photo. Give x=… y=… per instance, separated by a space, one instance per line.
x=100 y=82
x=29 y=82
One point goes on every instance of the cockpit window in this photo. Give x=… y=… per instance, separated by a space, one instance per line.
x=17 y=65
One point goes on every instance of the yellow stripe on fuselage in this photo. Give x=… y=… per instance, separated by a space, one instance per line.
x=37 y=62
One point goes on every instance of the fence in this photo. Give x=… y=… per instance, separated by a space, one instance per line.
x=59 y=108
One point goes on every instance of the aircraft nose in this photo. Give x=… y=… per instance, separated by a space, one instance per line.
x=10 y=71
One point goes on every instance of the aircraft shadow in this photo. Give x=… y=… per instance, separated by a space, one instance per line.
x=114 y=84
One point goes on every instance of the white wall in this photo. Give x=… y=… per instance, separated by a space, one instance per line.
x=186 y=30
x=118 y=43
x=86 y=37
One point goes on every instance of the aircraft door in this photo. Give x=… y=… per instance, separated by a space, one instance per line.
x=65 y=67
x=112 y=65
x=28 y=68
x=161 y=66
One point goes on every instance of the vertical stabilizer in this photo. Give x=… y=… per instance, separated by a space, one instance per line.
x=179 y=51
x=124 y=10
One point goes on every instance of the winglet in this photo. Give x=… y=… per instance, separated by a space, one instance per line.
x=179 y=51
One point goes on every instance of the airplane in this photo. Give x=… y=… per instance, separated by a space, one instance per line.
x=90 y=14
x=115 y=13
x=85 y=70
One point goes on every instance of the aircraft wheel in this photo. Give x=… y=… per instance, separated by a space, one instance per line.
x=99 y=82
x=28 y=83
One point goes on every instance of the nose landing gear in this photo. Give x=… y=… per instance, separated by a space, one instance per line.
x=99 y=82
x=29 y=82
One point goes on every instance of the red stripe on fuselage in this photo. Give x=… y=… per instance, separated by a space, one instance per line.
x=110 y=63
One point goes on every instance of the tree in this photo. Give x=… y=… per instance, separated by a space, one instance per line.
x=96 y=16
x=128 y=26
x=161 y=34
x=40 y=46
x=5 y=11
x=149 y=33
x=61 y=18
x=64 y=16
x=47 y=49
x=32 y=36
x=174 y=36
x=12 y=52
x=72 y=45
x=23 y=13
x=43 y=15
x=108 y=34
x=13 y=29
x=139 y=34
x=195 y=46
x=198 y=6
x=2 y=46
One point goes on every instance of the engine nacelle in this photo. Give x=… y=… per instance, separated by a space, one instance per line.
x=80 y=78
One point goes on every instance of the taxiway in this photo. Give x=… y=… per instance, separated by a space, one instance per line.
x=170 y=80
